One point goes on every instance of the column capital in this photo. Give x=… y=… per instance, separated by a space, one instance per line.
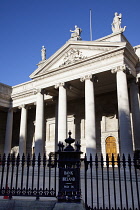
x=86 y=77
x=22 y=106
x=26 y=106
x=60 y=84
x=38 y=90
x=123 y=68
x=89 y=77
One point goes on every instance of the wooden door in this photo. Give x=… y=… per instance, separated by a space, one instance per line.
x=111 y=148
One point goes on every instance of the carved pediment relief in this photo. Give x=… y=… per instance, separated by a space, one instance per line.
x=72 y=56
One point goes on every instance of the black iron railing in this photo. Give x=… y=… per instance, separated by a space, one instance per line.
x=112 y=184
x=27 y=176
x=105 y=184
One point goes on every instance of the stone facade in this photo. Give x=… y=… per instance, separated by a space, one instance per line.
x=88 y=87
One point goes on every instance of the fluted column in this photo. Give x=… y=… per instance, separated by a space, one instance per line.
x=8 y=135
x=39 y=123
x=23 y=130
x=62 y=112
x=125 y=133
x=135 y=109
x=90 y=128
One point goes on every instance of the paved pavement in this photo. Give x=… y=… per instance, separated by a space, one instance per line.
x=29 y=203
x=69 y=206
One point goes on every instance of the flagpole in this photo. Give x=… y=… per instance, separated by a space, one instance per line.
x=90 y=25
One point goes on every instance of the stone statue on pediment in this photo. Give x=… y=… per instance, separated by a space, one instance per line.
x=75 y=35
x=116 y=25
x=43 y=53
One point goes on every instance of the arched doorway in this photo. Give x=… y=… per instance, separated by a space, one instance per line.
x=111 y=147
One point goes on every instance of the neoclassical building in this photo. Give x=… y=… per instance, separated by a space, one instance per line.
x=88 y=87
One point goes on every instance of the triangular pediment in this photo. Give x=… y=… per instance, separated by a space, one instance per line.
x=72 y=53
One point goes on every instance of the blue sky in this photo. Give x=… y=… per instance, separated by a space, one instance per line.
x=26 y=25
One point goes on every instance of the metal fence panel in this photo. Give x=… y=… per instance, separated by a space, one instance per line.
x=27 y=176
x=105 y=184
x=112 y=184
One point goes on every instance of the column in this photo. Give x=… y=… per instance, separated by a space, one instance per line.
x=8 y=135
x=90 y=128
x=62 y=112
x=56 y=123
x=39 y=124
x=23 y=130
x=125 y=134
x=135 y=109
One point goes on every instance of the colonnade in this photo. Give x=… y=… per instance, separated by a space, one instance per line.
x=124 y=117
x=125 y=127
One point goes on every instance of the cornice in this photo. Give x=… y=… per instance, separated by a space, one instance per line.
x=130 y=55
x=23 y=94
x=28 y=93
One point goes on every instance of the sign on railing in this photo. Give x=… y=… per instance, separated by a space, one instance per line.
x=69 y=171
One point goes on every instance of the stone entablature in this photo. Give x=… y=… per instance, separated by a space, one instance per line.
x=27 y=98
